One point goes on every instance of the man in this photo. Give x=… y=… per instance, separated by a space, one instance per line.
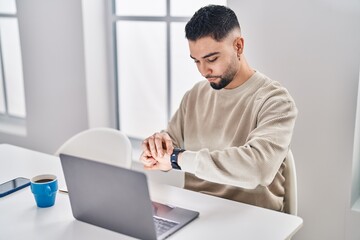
x=235 y=132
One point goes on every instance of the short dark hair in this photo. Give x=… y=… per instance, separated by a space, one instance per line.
x=213 y=20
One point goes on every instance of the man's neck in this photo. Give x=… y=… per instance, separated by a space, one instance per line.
x=245 y=72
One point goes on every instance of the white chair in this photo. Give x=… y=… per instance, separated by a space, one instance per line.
x=290 y=199
x=100 y=144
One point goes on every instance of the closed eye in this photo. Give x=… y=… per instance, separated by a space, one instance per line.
x=212 y=59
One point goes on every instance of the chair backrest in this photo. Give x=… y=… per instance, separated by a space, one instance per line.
x=101 y=144
x=290 y=200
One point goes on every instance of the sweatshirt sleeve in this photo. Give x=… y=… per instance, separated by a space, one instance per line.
x=258 y=160
x=175 y=127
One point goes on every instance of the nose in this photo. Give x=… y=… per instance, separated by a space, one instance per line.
x=204 y=69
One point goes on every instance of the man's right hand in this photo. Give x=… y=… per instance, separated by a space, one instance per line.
x=157 y=145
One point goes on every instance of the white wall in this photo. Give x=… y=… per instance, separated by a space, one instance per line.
x=65 y=92
x=51 y=35
x=313 y=48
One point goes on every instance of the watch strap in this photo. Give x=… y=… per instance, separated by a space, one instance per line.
x=174 y=158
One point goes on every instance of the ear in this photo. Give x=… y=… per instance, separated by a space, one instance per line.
x=239 y=45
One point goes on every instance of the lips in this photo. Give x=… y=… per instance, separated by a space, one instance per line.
x=212 y=79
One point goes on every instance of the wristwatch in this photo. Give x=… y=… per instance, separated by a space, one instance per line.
x=174 y=158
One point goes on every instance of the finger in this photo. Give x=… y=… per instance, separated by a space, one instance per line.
x=148 y=162
x=169 y=147
x=145 y=148
x=168 y=143
x=159 y=144
x=147 y=153
x=152 y=167
x=144 y=156
x=152 y=147
x=145 y=145
x=146 y=159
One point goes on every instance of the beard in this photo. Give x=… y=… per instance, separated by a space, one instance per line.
x=223 y=83
x=225 y=79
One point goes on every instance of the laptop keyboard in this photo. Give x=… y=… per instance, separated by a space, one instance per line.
x=163 y=225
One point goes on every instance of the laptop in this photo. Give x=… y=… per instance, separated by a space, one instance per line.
x=118 y=199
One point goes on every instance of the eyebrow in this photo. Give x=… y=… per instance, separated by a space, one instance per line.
x=207 y=55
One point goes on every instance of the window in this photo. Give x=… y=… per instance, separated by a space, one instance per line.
x=12 y=97
x=355 y=188
x=153 y=65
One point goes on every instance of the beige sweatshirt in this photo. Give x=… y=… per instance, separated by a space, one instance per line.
x=236 y=140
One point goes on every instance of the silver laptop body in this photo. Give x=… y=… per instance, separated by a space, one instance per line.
x=118 y=199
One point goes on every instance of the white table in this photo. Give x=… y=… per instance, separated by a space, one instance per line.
x=219 y=218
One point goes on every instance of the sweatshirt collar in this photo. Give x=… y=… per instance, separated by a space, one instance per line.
x=250 y=83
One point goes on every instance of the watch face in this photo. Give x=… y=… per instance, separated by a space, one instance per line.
x=173 y=158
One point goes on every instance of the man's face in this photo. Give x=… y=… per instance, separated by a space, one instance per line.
x=216 y=61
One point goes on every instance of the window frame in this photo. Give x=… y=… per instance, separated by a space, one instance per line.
x=167 y=19
x=10 y=123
